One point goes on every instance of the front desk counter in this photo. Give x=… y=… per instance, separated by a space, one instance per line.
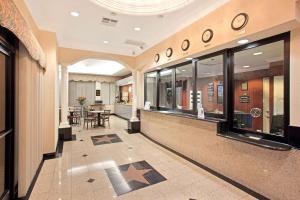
x=246 y=165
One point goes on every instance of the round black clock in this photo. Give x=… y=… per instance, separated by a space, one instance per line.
x=239 y=21
x=156 y=57
x=169 y=52
x=185 y=45
x=207 y=35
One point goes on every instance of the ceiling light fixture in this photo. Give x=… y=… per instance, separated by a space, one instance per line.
x=145 y=7
x=183 y=70
x=246 y=66
x=74 y=14
x=244 y=41
x=105 y=42
x=257 y=53
x=189 y=58
x=137 y=29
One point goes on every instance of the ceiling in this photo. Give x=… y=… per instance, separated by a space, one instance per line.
x=87 y=31
x=99 y=67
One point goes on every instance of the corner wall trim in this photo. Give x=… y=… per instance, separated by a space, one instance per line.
x=213 y=172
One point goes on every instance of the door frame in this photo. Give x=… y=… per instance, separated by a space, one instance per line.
x=8 y=46
x=285 y=37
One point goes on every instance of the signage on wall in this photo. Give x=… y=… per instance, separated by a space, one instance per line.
x=220 y=94
x=210 y=89
x=244 y=99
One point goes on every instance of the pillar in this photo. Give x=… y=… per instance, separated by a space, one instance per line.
x=64 y=89
x=134 y=97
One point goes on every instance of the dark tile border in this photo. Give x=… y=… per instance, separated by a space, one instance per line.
x=213 y=172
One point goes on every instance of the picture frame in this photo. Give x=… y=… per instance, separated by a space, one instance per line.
x=98 y=93
x=244 y=86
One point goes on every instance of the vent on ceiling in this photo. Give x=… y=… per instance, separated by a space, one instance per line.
x=108 y=21
x=135 y=43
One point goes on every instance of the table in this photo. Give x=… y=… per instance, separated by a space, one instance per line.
x=98 y=112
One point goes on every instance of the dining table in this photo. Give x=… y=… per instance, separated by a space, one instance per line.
x=98 y=112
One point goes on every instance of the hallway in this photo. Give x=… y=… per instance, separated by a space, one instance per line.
x=88 y=170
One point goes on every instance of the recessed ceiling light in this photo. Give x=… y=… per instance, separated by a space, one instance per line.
x=105 y=42
x=74 y=14
x=183 y=70
x=137 y=29
x=243 y=41
x=246 y=66
x=207 y=73
x=158 y=67
x=257 y=53
x=189 y=58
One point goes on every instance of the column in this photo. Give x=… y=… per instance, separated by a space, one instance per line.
x=64 y=95
x=134 y=97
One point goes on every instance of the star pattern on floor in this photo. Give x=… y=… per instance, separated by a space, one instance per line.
x=105 y=139
x=133 y=174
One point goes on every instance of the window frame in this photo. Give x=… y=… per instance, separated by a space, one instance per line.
x=145 y=88
x=285 y=37
x=228 y=90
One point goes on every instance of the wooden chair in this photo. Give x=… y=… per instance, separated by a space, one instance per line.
x=89 y=118
x=105 y=117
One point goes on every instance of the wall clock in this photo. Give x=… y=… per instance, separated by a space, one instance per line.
x=156 y=57
x=185 y=45
x=207 y=35
x=239 y=21
x=169 y=52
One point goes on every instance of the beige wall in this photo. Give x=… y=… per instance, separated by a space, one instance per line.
x=49 y=44
x=70 y=56
x=263 y=22
x=294 y=78
x=98 y=78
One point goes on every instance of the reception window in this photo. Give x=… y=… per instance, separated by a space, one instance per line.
x=259 y=89
x=151 y=89
x=165 y=89
x=210 y=86
x=184 y=87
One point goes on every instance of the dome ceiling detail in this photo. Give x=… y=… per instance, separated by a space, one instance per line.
x=142 y=7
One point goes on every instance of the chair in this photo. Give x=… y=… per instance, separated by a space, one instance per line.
x=105 y=117
x=89 y=118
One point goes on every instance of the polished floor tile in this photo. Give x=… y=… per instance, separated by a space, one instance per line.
x=131 y=168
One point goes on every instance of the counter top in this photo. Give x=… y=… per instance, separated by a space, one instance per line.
x=186 y=115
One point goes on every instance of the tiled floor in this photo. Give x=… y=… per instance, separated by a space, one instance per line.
x=133 y=168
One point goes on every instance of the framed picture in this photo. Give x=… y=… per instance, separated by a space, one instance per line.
x=210 y=89
x=244 y=86
x=98 y=93
x=220 y=94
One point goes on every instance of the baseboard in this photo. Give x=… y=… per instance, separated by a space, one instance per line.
x=30 y=189
x=120 y=117
x=213 y=172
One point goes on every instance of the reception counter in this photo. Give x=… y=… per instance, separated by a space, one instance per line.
x=123 y=110
x=260 y=170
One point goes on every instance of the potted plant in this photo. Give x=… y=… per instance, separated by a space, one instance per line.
x=81 y=101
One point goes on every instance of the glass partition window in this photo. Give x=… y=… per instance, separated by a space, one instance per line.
x=151 y=89
x=259 y=89
x=165 y=89
x=184 y=87
x=210 y=86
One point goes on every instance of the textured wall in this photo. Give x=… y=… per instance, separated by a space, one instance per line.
x=271 y=173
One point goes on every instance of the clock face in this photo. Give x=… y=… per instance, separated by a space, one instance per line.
x=239 y=21
x=156 y=57
x=207 y=35
x=169 y=52
x=185 y=45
